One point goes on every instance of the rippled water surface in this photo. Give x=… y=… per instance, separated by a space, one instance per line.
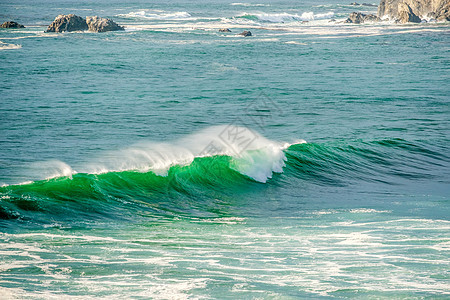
x=173 y=161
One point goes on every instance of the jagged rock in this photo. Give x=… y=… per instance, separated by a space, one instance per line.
x=406 y=15
x=246 y=33
x=69 y=22
x=355 y=4
x=224 y=30
x=437 y=9
x=98 y=24
x=11 y=24
x=442 y=13
x=358 y=18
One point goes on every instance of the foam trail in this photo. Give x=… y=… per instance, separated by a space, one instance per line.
x=5 y=46
x=286 y=17
x=248 y=4
x=157 y=15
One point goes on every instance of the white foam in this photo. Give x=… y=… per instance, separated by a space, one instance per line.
x=157 y=15
x=49 y=169
x=5 y=46
x=296 y=43
x=287 y=17
x=248 y=4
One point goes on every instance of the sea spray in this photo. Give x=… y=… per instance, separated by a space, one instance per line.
x=251 y=154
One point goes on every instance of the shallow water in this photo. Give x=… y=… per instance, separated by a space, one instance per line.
x=173 y=161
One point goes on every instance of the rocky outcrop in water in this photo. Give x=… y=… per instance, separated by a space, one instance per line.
x=224 y=30
x=407 y=10
x=364 y=4
x=69 y=22
x=73 y=22
x=11 y=24
x=358 y=18
x=406 y=15
x=98 y=24
x=245 y=33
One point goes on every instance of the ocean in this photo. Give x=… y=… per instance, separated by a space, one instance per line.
x=310 y=160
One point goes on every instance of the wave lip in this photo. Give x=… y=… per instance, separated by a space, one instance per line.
x=251 y=154
x=244 y=151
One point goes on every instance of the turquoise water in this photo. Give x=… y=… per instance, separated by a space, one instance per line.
x=171 y=161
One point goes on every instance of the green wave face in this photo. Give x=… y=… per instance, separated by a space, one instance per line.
x=206 y=186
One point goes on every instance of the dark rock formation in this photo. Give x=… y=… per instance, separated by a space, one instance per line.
x=11 y=24
x=67 y=23
x=364 y=4
x=76 y=23
x=224 y=30
x=437 y=9
x=406 y=15
x=98 y=24
x=358 y=18
x=246 y=33
x=369 y=4
x=442 y=12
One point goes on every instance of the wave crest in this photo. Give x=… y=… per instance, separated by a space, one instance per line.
x=157 y=15
x=285 y=17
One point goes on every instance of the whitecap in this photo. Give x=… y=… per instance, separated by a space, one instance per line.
x=5 y=46
x=251 y=154
x=157 y=15
x=248 y=4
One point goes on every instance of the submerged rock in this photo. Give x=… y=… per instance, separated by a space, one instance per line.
x=364 y=4
x=98 y=24
x=369 y=4
x=11 y=24
x=224 y=30
x=69 y=22
x=406 y=15
x=358 y=18
x=395 y=9
x=245 y=33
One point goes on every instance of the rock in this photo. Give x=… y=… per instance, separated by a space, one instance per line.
x=246 y=33
x=224 y=30
x=369 y=4
x=442 y=13
x=98 y=24
x=11 y=24
x=437 y=9
x=332 y=20
x=358 y=18
x=406 y=15
x=371 y=18
x=69 y=22
x=364 y=4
